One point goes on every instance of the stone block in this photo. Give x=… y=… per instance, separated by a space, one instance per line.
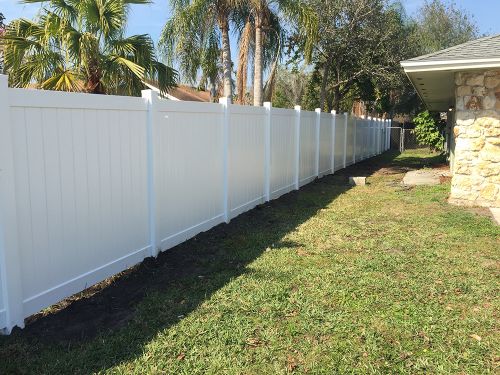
x=473 y=103
x=465 y=118
x=464 y=90
x=486 y=121
x=490 y=152
x=489 y=102
x=489 y=192
x=478 y=91
x=493 y=141
x=491 y=132
x=475 y=80
x=492 y=81
x=473 y=131
x=357 y=181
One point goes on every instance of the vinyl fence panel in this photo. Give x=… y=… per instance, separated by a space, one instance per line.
x=339 y=141
x=81 y=194
x=91 y=185
x=325 y=146
x=246 y=157
x=307 y=147
x=282 y=158
x=189 y=173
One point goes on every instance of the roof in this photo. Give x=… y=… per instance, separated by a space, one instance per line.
x=182 y=92
x=433 y=75
x=476 y=54
x=487 y=47
x=188 y=93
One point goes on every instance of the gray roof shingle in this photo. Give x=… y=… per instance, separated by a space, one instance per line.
x=482 y=48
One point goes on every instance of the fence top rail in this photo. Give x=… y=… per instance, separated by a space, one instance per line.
x=28 y=98
x=165 y=105
x=307 y=114
x=246 y=110
x=283 y=111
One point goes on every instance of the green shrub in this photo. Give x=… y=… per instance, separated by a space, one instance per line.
x=428 y=132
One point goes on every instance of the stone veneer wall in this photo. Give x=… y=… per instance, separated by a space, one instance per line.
x=476 y=165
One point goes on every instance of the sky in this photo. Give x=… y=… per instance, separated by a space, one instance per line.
x=149 y=19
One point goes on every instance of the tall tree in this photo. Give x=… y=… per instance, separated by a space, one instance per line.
x=2 y=30
x=293 y=11
x=290 y=87
x=79 y=45
x=196 y=29
x=442 y=24
x=273 y=42
x=361 y=43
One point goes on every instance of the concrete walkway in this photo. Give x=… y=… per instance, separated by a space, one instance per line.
x=425 y=177
x=496 y=214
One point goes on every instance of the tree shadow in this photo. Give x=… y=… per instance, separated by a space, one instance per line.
x=110 y=323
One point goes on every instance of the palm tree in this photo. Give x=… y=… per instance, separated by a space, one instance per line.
x=195 y=31
x=295 y=11
x=79 y=45
x=272 y=50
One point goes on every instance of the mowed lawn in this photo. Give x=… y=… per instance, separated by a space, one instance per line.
x=331 y=279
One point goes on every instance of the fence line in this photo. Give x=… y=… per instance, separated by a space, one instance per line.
x=91 y=185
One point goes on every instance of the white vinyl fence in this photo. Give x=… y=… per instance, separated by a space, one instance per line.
x=91 y=185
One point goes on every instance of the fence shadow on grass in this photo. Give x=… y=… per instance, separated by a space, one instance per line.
x=112 y=322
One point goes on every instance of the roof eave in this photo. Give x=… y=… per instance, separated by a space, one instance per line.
x=450 y=65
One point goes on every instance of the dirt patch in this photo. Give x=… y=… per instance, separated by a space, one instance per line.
x=112 y=303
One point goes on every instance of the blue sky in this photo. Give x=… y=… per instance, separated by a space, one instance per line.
x=149 y=19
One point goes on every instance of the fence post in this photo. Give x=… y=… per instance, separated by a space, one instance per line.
x=345 y=137
x=380 y=136
x=151 y=98
x=10 y=266
x=354 y=130
x=225 y=157
x=373 y=136
x=297 y=146
x=334 y=113
x=369 y=136
x=318 y=125
x=386 y=124
x=267 y=152
x=389 y=130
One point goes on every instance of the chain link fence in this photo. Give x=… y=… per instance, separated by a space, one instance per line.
x=403 y=139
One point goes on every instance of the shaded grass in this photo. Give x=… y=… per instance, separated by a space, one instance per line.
x=374 y=279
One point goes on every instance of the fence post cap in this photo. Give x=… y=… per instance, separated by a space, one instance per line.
x=317 y=110
x=297 y=107
x=333 y=112
x=224 y=100
x=268 y=104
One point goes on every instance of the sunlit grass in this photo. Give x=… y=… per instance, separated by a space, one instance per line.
x=373 y=279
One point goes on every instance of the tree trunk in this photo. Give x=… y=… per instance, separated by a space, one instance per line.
x=336 y=99
x=326 y=73
x=243 y=57
x=226 y=59
x=258 y=83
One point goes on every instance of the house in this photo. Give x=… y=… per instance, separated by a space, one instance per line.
x=464 y=81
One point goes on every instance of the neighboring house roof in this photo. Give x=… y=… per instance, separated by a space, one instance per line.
x=433 y=75
x=183 y=92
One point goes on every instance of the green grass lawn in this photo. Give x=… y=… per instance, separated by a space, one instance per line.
x=331 y=279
